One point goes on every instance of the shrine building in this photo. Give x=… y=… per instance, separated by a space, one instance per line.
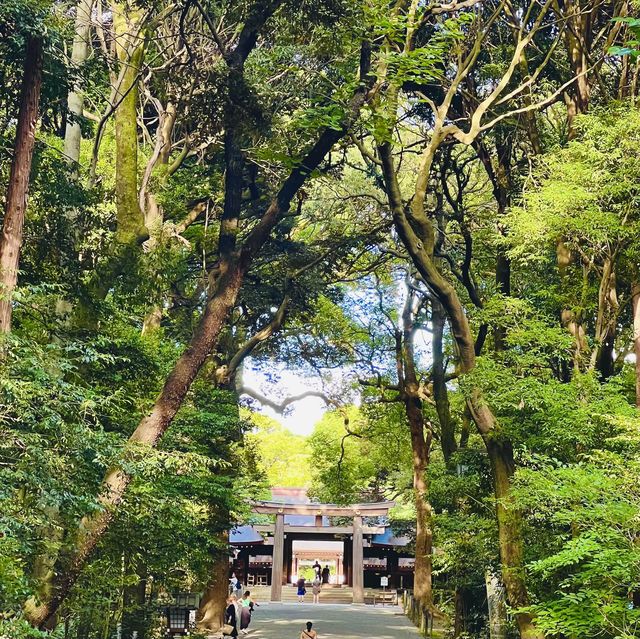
x=354 y=543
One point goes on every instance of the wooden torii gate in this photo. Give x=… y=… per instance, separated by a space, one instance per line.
x=357 y=531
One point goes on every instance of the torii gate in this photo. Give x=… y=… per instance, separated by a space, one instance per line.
x=357 y=531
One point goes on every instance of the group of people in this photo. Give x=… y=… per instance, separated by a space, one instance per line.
x=237 y=616
x=321 y=576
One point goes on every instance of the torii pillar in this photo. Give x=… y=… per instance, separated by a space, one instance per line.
x=277 y=565
x=358 y=560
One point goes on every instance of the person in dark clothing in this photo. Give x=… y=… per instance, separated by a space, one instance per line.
x=231 y=616
x=317 y=569
x=325 y=575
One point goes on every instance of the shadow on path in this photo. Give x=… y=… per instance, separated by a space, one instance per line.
x=285 y=621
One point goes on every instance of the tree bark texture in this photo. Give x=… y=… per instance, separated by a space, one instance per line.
x=130 y=227
x=210 y=615
x=421 y=437
x=18 y=188
x=423 y=588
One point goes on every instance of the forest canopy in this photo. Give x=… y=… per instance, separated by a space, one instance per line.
x=427 y=210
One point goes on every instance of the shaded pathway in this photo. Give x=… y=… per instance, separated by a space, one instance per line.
x=285 y=621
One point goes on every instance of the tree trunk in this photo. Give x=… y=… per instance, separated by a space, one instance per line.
x=131 y=227
x=496 y=607
x=440 y=392
x=210 y=615
x=75 y=99
x=578 y=39
x=460 y=616
x=17 y=191
x=510 y=533
x=606 y=320
x=422 y=588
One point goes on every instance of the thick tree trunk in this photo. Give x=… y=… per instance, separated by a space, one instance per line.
x=496 y=607
x=75 y=99
x=17 y=191
x=131 y=227
x=210 y=615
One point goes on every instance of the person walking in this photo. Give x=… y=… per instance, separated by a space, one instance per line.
x=246 y=609
x=317 y=587
x=309 y=633
x=317 y=569
x=302 y=591
x=231 y=618
x=325 y=575
x=237 y=591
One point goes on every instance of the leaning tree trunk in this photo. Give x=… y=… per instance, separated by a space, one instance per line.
x=147 y=434
x=417 y=235
x=17 y=191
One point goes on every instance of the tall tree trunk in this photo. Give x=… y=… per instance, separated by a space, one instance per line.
x=496 y=607
x=509 y=531
x=17 y=191
x=75 y=99
x=422 y=587
x=421 y=436
x=129 y=46
x=440 y=392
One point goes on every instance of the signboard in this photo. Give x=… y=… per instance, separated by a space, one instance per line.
x=384 y=581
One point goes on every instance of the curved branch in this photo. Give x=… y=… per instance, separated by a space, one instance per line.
x=279 y=407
